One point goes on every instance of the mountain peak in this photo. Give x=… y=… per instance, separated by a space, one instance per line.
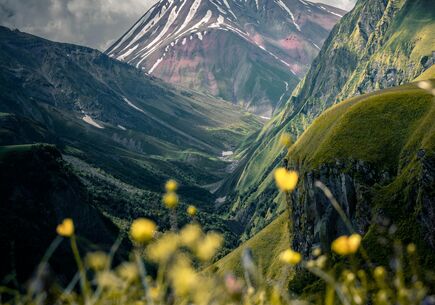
x=193 y=43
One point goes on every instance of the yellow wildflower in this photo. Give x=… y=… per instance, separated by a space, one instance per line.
x=208 y=246
x=164 y=248
x=108 y=280
x=97 y=260
x=345 y=245
x=142 y=230
x=286 y=180
x=190 y=234
x=411 y=248
x=290 y=257
x=128 y=272
x=183 y=277
x=155 y=292
x=348 y=276
x=286 y=139
x=171 y=186
x=380 y=273
x=66 y=228
x=311 y=264
x=321 y=261
x=170 y=200
x=191 y=210
x=317 y=252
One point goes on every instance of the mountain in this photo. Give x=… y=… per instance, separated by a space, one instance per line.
x=103 y=109
x=249 y=52
x=376 y=153
x=380 y=44
x=37 y=191
x=123 y=133
x=402 y=33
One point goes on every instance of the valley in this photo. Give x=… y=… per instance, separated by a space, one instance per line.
x=245 y=140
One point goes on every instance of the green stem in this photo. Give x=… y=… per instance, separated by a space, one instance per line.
x=330 y=281
x=343 y=216
x=336 y=205
x=79 y=262
x=173 y=218
x=143 y=276
x=112 y=252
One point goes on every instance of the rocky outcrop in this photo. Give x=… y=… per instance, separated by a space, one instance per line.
x=315 y=221
x=358 y=188
x=427 y=197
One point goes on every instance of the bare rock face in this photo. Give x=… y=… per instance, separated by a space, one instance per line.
x=359 y=188
x=316 y=222
x=427 y=181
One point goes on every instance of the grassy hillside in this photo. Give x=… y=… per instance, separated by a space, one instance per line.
x=379 y=44
x=116 y=118
x=265 y=246
x=389 y=130
x=124 y=133
x=375 y=128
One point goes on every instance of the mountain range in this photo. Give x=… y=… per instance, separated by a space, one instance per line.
x=114 y=131
x=122 y=134
x=401 y=32
x=251 y=53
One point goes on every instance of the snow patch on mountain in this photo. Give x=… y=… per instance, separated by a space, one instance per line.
x=91 y=121
x=331 y=12
x=156 y=64
x=133 y=105
x=285 y=7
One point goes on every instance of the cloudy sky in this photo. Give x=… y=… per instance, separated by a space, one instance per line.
x=344 y=4
x=93 y=23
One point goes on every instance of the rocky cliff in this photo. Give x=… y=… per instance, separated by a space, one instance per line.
x=376 y=154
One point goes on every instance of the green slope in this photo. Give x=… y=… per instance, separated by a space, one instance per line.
x=150 y=131
x=158 y=129
x=376 y=153
x=374 y=128
x=387 y=131
x=379 y=44
x=265 y=246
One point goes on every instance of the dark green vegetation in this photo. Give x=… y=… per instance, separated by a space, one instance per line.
x=376 y=153
x=37 y=191
x=123 y=134
x=379 y=44
x=265 y=246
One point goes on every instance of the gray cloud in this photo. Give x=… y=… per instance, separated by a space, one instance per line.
x=343 y=4
x=93 y=23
